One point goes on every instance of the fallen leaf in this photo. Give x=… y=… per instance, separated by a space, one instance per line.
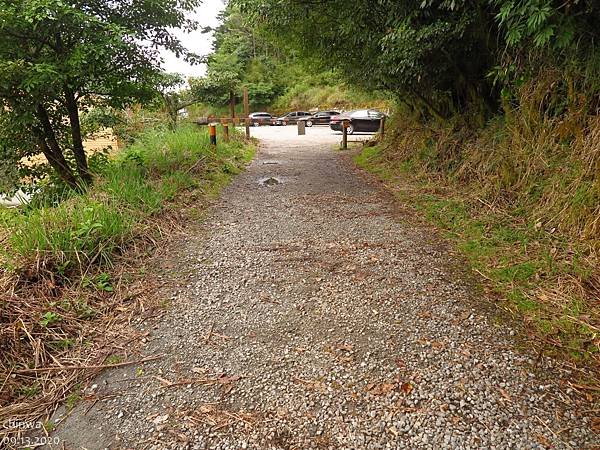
x=160 y=419
x=346 y=347
x=381 y=388
x=438 y=345
x=505 y=394
x=345 y=359
x=163 y=381
x=359 y=276
x=542 y=440
x=181 y=437
x=406 y=387
x=225 y=380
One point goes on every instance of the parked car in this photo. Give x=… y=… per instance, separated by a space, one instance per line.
x=361 y=120
x=291 y=117
x=319 y=118
x=260 y=118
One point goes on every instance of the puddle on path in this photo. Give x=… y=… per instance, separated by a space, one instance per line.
x=269 y=181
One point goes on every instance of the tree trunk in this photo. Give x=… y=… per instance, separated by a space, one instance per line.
x=231 y=104
x=171 y=106
x=52 y=151
x=173 y=118
x=80 y=156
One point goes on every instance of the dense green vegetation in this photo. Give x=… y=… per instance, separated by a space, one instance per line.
x=138 y=184
x=59 y=59
x=438 y=57
x=276 y=76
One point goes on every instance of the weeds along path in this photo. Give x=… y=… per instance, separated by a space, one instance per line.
x=308 y=313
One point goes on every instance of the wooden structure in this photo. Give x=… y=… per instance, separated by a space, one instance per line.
x=225 y=121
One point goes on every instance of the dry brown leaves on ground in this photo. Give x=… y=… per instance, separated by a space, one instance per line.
x=54 y=336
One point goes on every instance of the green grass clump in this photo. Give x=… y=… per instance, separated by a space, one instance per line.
x=528 y=240
x=139 y=184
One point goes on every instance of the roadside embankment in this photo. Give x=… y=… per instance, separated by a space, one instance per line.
x=72 y=272
x=521 y=200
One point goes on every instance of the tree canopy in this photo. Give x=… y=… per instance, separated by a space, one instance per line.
x=438 y=55
x=60 y=58
x=241 y=58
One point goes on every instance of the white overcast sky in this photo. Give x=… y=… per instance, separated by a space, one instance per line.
x=197 y=42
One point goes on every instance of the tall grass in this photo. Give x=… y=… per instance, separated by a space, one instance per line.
x=521 y=199
x=140 y=183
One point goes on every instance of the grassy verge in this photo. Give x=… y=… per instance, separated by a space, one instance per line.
x=546 y=278
x=71 y=272
x=141 y=183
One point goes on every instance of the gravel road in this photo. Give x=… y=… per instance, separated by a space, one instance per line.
x=309 y=312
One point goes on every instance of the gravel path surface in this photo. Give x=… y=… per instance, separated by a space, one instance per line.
x=312 y=315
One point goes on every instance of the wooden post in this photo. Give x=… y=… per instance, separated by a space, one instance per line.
x=382 y=126
x=247 y=112
x=231 y=104
x=225 y=132
x=344 y=134
x=301 y=127
x=212 y=133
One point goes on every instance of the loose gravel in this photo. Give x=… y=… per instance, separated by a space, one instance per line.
x=309 y=313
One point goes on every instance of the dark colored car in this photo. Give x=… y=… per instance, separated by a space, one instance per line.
x=260 y=118
x=361 y=120
x=319 y=118
x=291 y=117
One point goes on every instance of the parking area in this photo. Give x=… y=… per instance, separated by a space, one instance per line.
x=315 y=134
